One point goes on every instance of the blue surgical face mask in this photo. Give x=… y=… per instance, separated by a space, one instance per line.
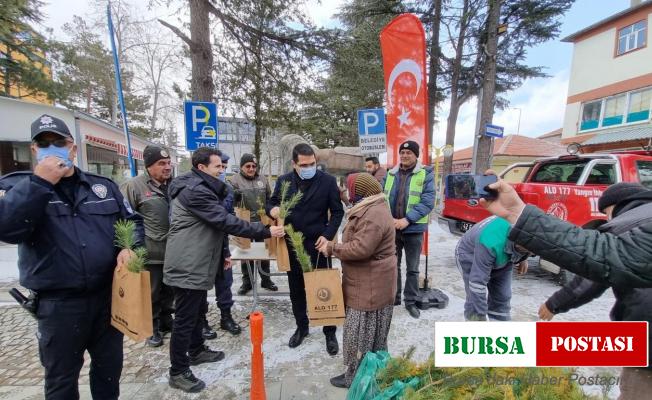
x=54 y=151
x=307 y=172
x=222 y=176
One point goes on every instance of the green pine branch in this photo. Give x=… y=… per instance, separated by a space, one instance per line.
x=288 y=204
x=125 y=239
x=296 y=238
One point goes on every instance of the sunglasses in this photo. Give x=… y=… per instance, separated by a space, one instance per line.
x=42 y=143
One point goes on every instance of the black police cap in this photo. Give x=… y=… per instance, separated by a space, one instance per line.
x=48 y=123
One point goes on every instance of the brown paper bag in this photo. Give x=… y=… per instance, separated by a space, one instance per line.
x=270 y=243
x=324 y=297
x=131 y=303
x=282 y=251
x=245 y=215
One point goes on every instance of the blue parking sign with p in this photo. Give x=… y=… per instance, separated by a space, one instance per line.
x=201 y=124
x=371 y=121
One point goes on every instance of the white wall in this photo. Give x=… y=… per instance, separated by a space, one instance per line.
x=571 y=119
x=16 y=118
x=595 y=66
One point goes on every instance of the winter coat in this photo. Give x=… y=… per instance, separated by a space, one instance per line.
x=380 y=174
x=152 y=203
x=368 y=254
x=617 y=260
x=199 y=224
x=631 y=304
x=311 y=215
x=64 y=246
x=424 y=208
x=253 y=193
x=485 y=248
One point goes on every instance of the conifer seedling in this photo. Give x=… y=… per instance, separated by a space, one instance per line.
x=287 y=205
x=125 y=239
x=296 y=238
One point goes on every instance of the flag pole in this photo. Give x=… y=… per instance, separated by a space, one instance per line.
x=118 y=85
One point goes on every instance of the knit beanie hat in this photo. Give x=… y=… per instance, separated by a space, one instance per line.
x=247 y=158
x=153 y=153
x=366 y=185
x=410 y=145
x=619 y=192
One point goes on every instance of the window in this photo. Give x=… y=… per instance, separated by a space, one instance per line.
x=621 y=109
x=560 y=172
x=639 y=106
x=645 y=173
x=614 y=110
x=632 y=37
x=602 y=174
x=591 y=115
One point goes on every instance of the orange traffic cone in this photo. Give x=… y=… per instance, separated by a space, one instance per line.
x=257 y=369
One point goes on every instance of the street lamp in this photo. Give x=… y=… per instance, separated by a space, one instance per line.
x=446 y=151
x=518 y=128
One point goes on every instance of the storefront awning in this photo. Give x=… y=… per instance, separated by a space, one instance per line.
x=621 y=135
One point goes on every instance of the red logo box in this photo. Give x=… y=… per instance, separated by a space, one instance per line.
x=592 y=344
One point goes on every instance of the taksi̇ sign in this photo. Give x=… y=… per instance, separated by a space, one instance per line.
x=201 y=124
x=539 y=344
x=494 y=131
x=371 y=128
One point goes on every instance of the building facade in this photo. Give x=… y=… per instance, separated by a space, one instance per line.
x=101 y=147
x=236 y=137
x=610 y=87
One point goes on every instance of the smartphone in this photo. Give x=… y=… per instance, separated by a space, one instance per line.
x=465 y=186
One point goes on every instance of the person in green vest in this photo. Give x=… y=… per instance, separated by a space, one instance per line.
x=410 y=191
x=486 y=259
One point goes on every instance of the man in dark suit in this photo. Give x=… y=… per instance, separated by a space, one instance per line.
x=311 y=217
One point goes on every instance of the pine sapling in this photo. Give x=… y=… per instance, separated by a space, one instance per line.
x=296 y=238
x=288 y=204
x=125 y=239
x=261 y=207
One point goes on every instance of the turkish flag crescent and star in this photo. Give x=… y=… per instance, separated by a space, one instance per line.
x=403 y=45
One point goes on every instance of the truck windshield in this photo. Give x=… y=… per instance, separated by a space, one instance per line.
x=645 y=173
x=560 y=172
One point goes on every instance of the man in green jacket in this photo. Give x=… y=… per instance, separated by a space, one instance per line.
x=252 y=192
x=148 y=195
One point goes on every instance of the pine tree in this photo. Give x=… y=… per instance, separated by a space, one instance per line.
x=24 y=70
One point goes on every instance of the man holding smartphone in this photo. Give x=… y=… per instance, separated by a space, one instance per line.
x=410 y=190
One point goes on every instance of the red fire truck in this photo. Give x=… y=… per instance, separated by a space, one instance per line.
x=567 y=187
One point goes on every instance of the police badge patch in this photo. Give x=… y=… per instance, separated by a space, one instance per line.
x=261 y=184
x=99 y=190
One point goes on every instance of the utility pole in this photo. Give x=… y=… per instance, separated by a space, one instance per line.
x=483 y=150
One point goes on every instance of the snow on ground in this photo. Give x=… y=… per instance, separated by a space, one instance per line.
x=311 y=359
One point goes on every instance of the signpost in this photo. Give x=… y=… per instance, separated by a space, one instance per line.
x=201 y=124
x=494 y=131
x=371 y=128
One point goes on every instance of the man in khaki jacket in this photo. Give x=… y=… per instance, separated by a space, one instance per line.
x=148 y=195
x=252 y=192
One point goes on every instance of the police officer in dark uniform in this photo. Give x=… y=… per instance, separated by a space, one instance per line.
x=62 y=220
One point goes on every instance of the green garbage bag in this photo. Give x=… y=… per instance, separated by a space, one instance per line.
x=397 y=389
x=364 y=386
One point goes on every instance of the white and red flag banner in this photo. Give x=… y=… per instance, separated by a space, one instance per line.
x=403 y=45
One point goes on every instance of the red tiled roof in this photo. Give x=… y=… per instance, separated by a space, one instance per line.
x=578 y=138
x=556 y=132
x=516 y=145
